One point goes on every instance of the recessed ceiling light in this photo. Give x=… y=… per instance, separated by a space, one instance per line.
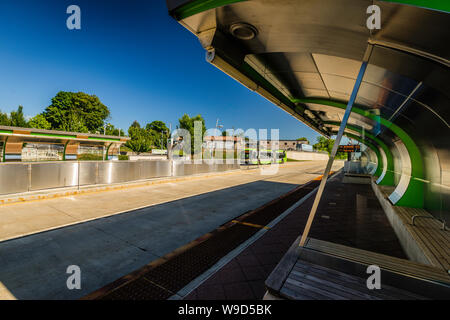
x=243 y=31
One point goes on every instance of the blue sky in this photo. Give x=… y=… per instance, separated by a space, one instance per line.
x=140 y=62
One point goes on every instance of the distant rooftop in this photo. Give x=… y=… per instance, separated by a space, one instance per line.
x=59 y=135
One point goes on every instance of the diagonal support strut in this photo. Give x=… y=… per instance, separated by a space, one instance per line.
x=348 y=110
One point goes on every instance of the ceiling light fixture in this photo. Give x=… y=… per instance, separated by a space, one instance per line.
x=243 y=31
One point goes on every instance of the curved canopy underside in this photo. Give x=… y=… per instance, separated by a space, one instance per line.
x=304 y=56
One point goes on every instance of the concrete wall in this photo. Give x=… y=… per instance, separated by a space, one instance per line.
x=302 y=155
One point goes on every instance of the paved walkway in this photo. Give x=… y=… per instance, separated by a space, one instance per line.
x=171 y=215
x=20 y=219
x=348 y=214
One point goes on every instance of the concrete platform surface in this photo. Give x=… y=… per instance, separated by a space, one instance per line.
x=348 y=214
x=170 y=215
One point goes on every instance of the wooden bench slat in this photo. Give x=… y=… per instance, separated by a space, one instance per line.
x=354 y=252
x=323 y=282
x=384 y=261
x=427 y=232
x=350 y=282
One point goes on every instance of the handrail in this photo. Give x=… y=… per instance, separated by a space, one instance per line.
x=414 y=217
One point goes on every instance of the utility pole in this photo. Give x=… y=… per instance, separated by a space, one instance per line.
x=169 y=143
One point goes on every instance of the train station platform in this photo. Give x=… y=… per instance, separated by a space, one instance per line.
x=114 y=232
x=256 y=242
x=351 y=226
x=349 y=214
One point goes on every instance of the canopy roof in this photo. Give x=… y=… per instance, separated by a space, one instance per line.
x=304 y=56
x=17 y=134
x=313 y=49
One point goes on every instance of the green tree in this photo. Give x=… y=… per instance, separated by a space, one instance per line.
x=113 y=131
x=4 y=119
x=158 y=126
x=160 y=133
x=324 y=144
x=17 y=119
x=74 y=122
x=39 y=122
x=140 y=139
x=187 y=123
x=135 y=124
x=78 y=112
x=303 y=139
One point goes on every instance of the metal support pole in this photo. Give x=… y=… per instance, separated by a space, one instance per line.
x=79 y=167
x=64 y=152
x=335 y=146
x=107 y=151
x=4 y=150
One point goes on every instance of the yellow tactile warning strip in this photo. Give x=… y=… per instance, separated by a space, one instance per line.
x=321 y=176
x=94 y=190
x=250 y=224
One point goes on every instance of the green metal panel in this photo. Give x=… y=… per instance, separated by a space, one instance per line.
x=414 y=195
x=107 y=150
x=64 y=152
x=62 y=136
x=439 y=5
x=52 y=135
x=198 y=6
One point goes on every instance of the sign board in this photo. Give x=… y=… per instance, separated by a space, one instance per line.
x=349 y=148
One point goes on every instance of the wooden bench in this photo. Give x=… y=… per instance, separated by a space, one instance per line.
x=325 y=270
x=428 y=233
x=425 y=241
x=309 y=281
x=386 y=262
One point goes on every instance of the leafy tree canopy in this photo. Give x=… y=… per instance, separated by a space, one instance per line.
x=79 y=112
x=17 y=118
x=39 y=122
x=158 y=126
x=303 y=139
x=113 y=131
x=159 y=131
x=186 y=122
x=140 y=139
x=4 y=119
x=324 y=144
x=135 y=124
